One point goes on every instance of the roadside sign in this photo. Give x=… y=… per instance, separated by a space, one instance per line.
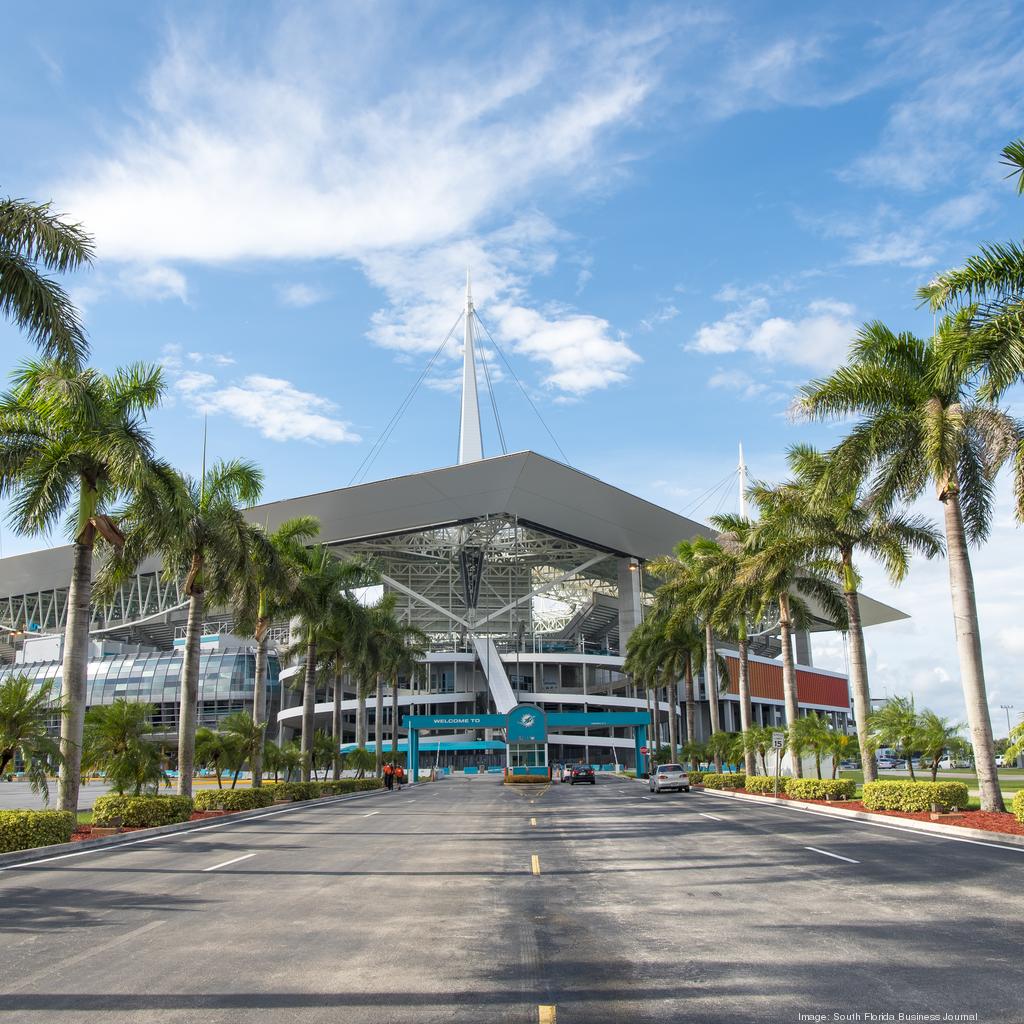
x=644 y=750
x=778 y=741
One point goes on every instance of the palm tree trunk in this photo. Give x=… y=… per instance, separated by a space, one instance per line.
x=259 y=700
x=394 y=717
x=968 y=642
x=308 y=708
x=691 y=717
x=789 y=682
x=673 y=706
x=379 y=726
x=746 y=709
x=652 y=742
x=74 y=672
x=858 y=670
x=189 y=704
x=336 y=723
x=711 y=676
x=361 y=714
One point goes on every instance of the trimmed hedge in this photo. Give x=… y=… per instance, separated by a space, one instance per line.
x=723 y=780
x=526 y=780
x=25 y=830
x=338 y=787
x=764 y=784
x=912 y=796
x=820 y=789
x=233 y=799
x=696 y=778
x=293 y=790
x=1018 y=806
x=140 y=811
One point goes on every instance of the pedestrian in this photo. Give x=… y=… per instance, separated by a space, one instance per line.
x=389 y=775
x=399 y=776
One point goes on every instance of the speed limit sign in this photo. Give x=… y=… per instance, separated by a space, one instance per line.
x=778 y=740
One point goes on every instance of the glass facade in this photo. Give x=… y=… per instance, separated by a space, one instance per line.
x=226 y=683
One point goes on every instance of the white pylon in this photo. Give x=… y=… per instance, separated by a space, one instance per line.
x=471 y=442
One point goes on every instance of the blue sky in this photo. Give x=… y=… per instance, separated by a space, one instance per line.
x=674 y=215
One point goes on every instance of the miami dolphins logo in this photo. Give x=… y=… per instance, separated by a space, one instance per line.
x=527 y=719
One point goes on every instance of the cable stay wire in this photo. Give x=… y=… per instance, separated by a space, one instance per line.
x=705 y=496
x=526 y=395
x=378 y=446
x=494 y=404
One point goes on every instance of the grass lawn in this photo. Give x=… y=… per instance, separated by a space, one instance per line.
x=85 y=817
x=1009 y=782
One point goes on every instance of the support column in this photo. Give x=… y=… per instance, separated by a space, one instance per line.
x=803 y=648
x=639 y=740
x=630 y=605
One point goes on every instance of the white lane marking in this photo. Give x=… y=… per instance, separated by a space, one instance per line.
x=225 y=863
x=893 y=828
x=838 y=856
x=185 y=834
x=711 y=816
x=91 y=951
x=370 y=815
x=645 y=798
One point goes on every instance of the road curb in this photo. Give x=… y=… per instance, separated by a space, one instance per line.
x=910 y=824
x=19 y=858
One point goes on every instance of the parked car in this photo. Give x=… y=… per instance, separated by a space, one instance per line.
x=669 y=776
x=887 y=763
x=582 y=773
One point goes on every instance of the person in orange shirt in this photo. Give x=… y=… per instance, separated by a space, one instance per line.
x=399 y=776
x=389 y=775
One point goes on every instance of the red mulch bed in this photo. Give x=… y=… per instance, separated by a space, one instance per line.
x=84 y=832
x=987 y=821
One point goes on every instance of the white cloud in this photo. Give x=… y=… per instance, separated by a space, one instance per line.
x=819 y=339
x=301 y=295
x=153 y=281
x=966 y=102
x=737 y=380
x=275 y=407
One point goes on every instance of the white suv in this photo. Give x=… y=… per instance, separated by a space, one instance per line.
x=669 y=776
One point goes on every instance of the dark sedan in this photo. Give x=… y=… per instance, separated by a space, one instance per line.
x=582 y=773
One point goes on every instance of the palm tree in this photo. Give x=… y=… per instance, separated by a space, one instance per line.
x=409 y=648
x=693 y=584
x=758 y=740
x=895 y=725
x=291 y=759
x=920 y=423
x=25 y=711
x=33 y=239
x=263 y=595
x=840 y=746
x=778 y=568
x=990 y=287
x=72 y=442
x=272 y=758
x=322 y=594
x=116 y=742
x=324 y=752
x=838 y=521
x=247 y=735
x=813 y=734
x=199 y=529
x=936 y=735
x=214 y=749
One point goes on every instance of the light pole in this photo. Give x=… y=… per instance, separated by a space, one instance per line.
x=1007 y=708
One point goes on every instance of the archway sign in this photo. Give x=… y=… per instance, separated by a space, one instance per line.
x=527 y=731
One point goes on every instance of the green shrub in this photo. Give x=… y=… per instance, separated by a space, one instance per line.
x=293 y=790
x=233 y=799
x=763 y=784
x=1018 y=806
x=338 y=787
x=696 y=778
x=24 y=830
x=724 y=780
x=909 y=796
x=820 y=789
x=140 y=811
x=527 y=780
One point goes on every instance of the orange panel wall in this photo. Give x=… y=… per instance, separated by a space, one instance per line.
x=811 y=687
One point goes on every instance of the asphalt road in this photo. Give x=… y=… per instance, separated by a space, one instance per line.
x=425 y=906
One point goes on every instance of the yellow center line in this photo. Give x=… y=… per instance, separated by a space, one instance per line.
x=547 y=1015
x=535 y=864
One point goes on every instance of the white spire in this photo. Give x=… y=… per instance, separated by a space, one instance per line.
x=741 y=472
x=471 y=443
